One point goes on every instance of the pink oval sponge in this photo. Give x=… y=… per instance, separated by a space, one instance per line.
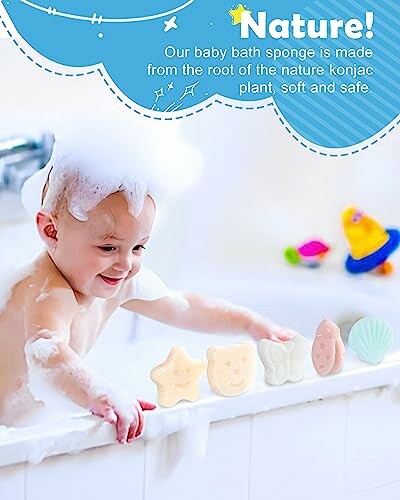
x=328 y=349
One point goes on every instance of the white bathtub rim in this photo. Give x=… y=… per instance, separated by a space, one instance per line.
x=81 y=432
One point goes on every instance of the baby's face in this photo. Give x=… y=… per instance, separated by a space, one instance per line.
x=98 y=255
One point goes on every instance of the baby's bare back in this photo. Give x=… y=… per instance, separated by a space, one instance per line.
x=28 y=311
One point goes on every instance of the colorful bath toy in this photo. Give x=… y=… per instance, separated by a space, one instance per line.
x=177 y=378
x=371 y=339
x=232 y=369
x=328 y=349
x=310 y=253
x=370 y=244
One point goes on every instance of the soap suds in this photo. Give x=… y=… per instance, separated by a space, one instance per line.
x=18 y=407
x=40 y=384
x=180 y=301
x=42 y=296
x=78 y=169
x=42 y=349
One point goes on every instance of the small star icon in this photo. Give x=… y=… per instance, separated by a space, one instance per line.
x=159 y=93
x=189 y=90
x=236 y=14
x=177 y=378
x=170 y=86
x=170 y=24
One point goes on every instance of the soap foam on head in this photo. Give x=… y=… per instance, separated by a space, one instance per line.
x=87 y=166
x=99 y=157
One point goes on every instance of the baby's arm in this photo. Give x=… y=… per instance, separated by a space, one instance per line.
x=47 y=348
x=195 y=312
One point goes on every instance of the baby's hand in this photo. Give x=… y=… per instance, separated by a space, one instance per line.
x=261 y=328
x=126 y=415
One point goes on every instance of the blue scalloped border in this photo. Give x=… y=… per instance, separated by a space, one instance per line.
x=123 y=100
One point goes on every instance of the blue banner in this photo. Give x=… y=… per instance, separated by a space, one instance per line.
x=331 y=68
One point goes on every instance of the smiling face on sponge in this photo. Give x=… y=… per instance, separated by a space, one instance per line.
x=231 y=369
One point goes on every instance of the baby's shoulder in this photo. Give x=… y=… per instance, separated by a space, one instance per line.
x=38 y=299
x=43 y=286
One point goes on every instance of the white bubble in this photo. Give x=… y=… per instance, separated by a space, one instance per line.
x=100 y=35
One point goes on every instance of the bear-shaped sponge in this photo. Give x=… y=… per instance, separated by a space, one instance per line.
x=232 y=369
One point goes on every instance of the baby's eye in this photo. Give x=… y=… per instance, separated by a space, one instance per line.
x=108 y=249
x=138 y=249
x=227 y=364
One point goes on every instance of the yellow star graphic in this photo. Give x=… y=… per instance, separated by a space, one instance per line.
x=177 y=378
x=236 y=14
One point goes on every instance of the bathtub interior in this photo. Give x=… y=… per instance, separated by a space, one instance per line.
x=301 y=307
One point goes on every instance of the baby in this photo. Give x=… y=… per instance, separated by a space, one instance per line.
x=94 y=214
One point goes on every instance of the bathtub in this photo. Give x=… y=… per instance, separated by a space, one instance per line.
x=336 y=437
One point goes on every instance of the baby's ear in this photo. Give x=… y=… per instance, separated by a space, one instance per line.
x=46 y=226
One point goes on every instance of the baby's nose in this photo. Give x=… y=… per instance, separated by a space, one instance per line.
x=123 y=264
x=236 y=371
x=130 y=265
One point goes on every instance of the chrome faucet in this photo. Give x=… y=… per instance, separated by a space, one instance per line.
x=21 y=157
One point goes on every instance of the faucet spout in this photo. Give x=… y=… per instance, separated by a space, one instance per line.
x=21 y=157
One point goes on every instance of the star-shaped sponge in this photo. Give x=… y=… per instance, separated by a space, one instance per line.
x=236 y=14
x=177 y=378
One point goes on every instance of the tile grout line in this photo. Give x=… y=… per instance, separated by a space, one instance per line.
x=144 y=468
x=346 y=446
x=250 y=459
x=26 y=481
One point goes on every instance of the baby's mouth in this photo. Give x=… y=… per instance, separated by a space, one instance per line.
x=111 y=281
